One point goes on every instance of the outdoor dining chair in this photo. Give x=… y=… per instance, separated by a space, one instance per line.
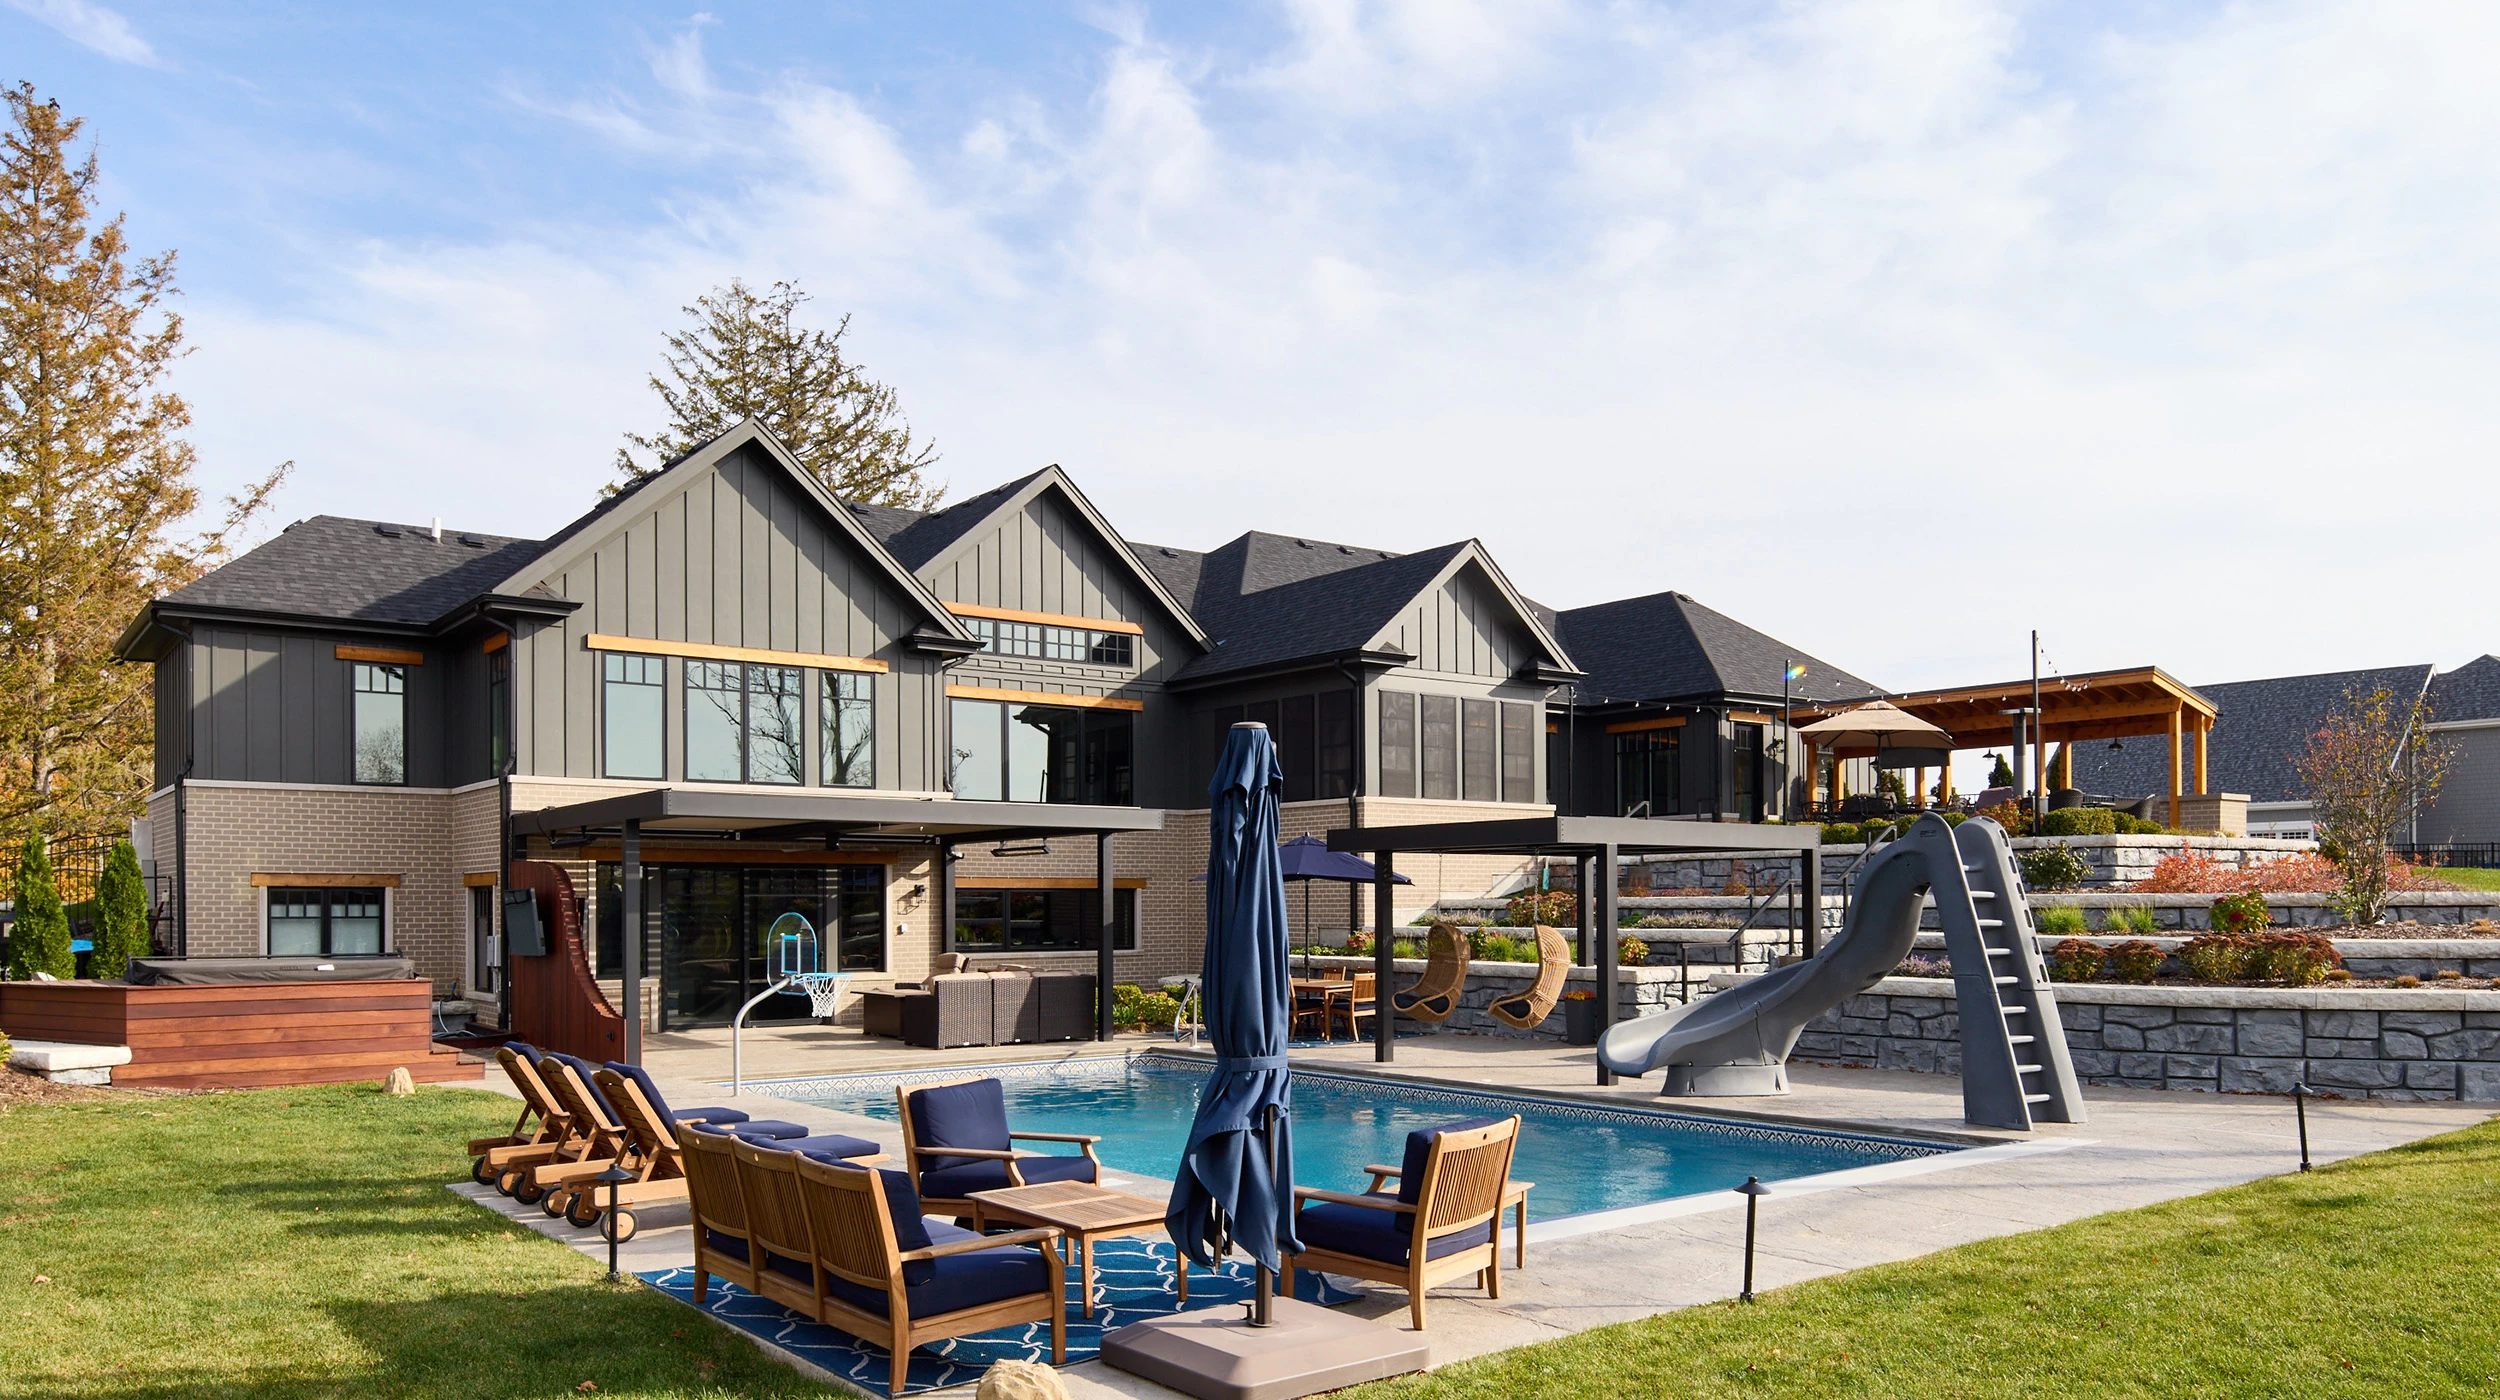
x=1438 y=1225
x=956 y=1141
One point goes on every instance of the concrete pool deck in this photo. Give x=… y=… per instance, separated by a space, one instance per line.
x=2141 y=1147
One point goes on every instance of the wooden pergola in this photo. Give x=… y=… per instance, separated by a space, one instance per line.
x=2124 y=704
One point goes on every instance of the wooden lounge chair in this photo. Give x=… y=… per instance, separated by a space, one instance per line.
x=882 y=1272
x=541 y=1130
x=1439 y=1224
x=1435 y=995
x=956 y=1141
x=1529 y=1009
x=652 y=1152
x=597 y=1139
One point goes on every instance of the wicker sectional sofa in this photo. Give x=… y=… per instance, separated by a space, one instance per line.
x=984 y=1008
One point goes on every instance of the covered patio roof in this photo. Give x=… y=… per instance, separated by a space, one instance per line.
x=2073 y=709
x=803 y=816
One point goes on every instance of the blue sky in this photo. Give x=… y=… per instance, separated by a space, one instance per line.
x=1833 y=315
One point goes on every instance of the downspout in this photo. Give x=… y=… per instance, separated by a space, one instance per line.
x=182 y=802
x=503 y=820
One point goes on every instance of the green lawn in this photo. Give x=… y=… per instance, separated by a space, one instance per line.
x=299 y=1243
x=2468 y=877
x=2379 y=1276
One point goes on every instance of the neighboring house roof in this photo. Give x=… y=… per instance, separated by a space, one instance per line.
x=2470 y=692
x=331 y=567
x=2262 y=728
x=1666 y=647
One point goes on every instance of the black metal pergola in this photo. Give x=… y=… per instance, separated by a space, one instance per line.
x=843 y=823
x=1592 y=844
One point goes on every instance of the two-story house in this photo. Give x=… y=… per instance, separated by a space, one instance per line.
x=920 y=730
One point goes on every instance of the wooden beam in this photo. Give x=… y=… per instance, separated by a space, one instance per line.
x=1751 y=717
x=323 y=882
x=1043 y=697
x=1040 y=882
x=1094 y=624
x=496 y=643
x=705 y=651
x=388 y=656
x=2174 y=767
x=2204 y=732
x=478 y=880
x=720 y=855
x=1636 y=726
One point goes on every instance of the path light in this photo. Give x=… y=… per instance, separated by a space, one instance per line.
x=2300 y=1110
x=1753 y=1191
x=615 y=1177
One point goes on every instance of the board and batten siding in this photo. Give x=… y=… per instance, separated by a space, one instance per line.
x=740 y=557
x=273 y=707
x=1464 y=627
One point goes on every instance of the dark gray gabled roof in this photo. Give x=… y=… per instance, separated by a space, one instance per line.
x=2261 y=729
x=1666 y=647
x=335 y=569
x=916 y=537
x=2472 y=691
x=1318 y=615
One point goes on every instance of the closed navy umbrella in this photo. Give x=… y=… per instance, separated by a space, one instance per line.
x=1236 y=1175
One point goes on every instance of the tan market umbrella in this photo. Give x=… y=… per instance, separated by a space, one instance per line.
x=1878 y=725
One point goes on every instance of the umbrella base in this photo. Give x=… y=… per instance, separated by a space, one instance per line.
x=1215 y=1355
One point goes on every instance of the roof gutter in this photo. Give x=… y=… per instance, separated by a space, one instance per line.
x=1366 y=658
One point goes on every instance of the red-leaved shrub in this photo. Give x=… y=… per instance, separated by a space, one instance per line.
x=2194 y=872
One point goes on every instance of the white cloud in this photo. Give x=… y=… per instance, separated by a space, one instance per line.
x=1870 y=324
x=93 y=26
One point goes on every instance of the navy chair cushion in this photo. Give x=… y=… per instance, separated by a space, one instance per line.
x=1418 y=1152
x=955 y=1183
x=730 y=1245
x=824 y=1147
x=764 y=1130
x=957 y=1281
x=1366 y=1233
x=583 y=1069
x=972 y=1114
x=659 y=1102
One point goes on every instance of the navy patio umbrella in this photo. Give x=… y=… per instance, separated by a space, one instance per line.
x=1307 y=858
x=1236 y=1175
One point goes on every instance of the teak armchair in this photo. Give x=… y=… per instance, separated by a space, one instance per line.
x=1438 y=1225
x=956 y=1141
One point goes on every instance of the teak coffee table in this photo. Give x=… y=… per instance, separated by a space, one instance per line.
x=1084 y=1212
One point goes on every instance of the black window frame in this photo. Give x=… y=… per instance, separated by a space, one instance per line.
x=612 y=665
x=1081 y=905
x=834 y=704
x=330 y=898
x=499 y=709
x=747 y=673
x=1399 y=769
x=1333 y=742
x=359 y=674
x=1090 y=751
x=1436 y=747
x=1519 y=745
x=1044 y=641
x=1641 y=756
x=1480 y=750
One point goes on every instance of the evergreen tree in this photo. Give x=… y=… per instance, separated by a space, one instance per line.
x=95 y=480
x=2002 y=775
x=122 y=902
x=745 y=355
x=39 y=940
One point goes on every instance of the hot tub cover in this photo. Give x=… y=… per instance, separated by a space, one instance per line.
x=207 y=972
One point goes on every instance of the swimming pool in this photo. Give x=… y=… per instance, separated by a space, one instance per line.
x=1581 y=1157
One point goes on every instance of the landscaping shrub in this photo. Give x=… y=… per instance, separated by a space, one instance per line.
x=2053 y=868
x=2216 y=957
x=1922 y=965
x=2130 y=918
x=2194 y=872
x=2135 y=960
x=1124 y=999
x=2301 y=959
x=1842 y=834
x=122 y=914
x=1502 y=948
x=1406 y=948
x=2075 y=961
x=2011 y=816
x=1156 y=1011
x=39 y=941
x=1358 y=942
x=2408 y=980
x=2244 y=912
x=2129 y=824
x=1552 y=908
x=2059 y=919
x=1631 y=951
x=2080 y=821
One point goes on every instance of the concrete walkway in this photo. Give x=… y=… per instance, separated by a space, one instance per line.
x=2140 y=1147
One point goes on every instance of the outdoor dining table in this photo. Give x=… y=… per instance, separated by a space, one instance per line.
x=1325 y=991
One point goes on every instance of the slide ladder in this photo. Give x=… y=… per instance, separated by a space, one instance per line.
x=2015 y=1068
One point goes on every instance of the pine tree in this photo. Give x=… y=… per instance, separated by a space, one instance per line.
x=121 y=898
x=745 y=355
x=95 y=480
x=39 y=940
x=2002 y=775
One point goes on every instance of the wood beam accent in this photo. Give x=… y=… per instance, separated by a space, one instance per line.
x=2174 y=767
x=387 y=656
x=1094 y=624
x=1637 y=726
x=705 y=651
x=495 y=643
x=2204 y=731
x=1752 y=717
x=323 y=882
x=1040 y=882
x=1043 y=697
x=730 y=855
x=478 y=880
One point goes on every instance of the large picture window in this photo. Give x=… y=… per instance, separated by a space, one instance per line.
x=1336 y=743
x=849 y=727
x=743 y=723
x=499 y=709
x=707 y=932
x=1040 y=920
x=381 y=723
x=1047 y=643
x=633 y=692
x=1397 y=743
x=345 y=922
x=1648 y=768
x=1440 y=745
x=1478 y=755
x=1042 y=753
x=1519 y=741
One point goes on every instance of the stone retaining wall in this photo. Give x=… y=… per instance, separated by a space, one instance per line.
x=2425 y=1044
x=2114 y=860
x=2191 y=912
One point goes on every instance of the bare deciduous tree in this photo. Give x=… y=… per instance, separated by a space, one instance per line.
x=2368 y=769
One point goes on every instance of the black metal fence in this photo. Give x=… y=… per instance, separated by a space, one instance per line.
x=2476 y=857
x=77 y=865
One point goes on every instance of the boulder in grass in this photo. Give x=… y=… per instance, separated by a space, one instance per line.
x=400 y=1082
x=1020 y=1380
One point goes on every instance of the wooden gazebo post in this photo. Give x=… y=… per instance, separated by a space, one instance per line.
x=2177 y=713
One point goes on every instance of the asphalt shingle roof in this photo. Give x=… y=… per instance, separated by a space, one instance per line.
x=2472 y=691
x=348 y=570
x=916 y=537
x=2261 y=728
x=1260 y=607
x=1668 y=647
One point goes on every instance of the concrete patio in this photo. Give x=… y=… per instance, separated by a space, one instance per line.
x=2140 y=1147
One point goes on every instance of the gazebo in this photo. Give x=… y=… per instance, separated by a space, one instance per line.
x=2124 y=704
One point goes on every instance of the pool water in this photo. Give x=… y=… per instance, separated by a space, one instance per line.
x=1582 y=1158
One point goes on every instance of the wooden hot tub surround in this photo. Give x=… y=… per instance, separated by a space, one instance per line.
x=246 y=1035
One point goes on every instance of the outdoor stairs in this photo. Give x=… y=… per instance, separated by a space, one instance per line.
x=2015 y=1069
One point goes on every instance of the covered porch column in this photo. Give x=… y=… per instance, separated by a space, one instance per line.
x=1607 y=947
x=1384 y=961
x=1104 y=975
x=2172 y=749
x=631 y=877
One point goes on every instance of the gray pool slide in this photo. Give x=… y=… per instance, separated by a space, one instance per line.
x=2015 y=1069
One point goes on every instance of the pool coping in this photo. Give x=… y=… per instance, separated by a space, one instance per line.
x=1959 y=1149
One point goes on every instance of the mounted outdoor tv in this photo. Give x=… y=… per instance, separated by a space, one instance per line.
x=523 y=934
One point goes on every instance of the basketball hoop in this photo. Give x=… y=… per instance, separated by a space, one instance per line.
x=798 y=969
x=824 y=992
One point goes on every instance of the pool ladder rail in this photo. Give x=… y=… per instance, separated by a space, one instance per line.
x=2015 y=1068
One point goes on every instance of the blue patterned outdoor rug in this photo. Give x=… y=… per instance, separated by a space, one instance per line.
x=1132 y=1278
